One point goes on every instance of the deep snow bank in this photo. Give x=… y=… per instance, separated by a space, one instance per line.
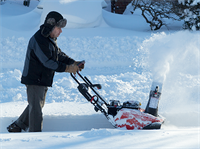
x=30 y=18
x=79 y=13
x=20 y=18
x=132 y=22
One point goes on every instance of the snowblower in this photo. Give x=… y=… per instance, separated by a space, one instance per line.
x=127 y=115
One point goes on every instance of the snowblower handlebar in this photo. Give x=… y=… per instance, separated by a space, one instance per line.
x=99 y=103
x=98 y=86
x=86 y=86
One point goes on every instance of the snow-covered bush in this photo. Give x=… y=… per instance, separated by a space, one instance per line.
x=191 y=14
x=155 y=11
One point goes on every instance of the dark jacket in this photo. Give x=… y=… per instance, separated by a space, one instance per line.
x=43 y=58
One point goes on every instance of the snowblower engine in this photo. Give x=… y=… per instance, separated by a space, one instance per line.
x=115 y=106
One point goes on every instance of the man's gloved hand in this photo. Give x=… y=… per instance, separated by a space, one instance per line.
x=73 y=68
x=80 y=64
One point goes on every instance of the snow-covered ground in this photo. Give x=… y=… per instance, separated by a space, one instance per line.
x=123 y=55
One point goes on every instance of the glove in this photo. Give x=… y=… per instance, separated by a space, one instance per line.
x=80 y=64
x=73 y=68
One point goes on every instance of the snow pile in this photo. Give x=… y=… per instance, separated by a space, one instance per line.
x=25 y=15
x=133 y=22
x=77 y=12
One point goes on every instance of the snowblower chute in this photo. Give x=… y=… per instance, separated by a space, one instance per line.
x=128 y=115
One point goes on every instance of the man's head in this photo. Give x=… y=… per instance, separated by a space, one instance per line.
x=53 y=21
x=55 y=32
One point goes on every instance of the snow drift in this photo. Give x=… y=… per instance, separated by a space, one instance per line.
x=77 y=12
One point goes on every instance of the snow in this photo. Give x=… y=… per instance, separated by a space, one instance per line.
x=195 y=2
x=181 y=2
x=123 y=55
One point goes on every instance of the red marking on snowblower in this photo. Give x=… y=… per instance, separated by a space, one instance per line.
x=134 y=119
x=92 y=99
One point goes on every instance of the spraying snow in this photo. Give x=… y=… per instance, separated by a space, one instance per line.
x=176 y=64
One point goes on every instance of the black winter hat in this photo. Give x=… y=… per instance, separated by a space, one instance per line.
x=53 y=19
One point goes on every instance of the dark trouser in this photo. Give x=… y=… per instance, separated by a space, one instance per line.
x=32 y=116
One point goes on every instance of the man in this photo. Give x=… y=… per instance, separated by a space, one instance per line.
x=43 y=59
